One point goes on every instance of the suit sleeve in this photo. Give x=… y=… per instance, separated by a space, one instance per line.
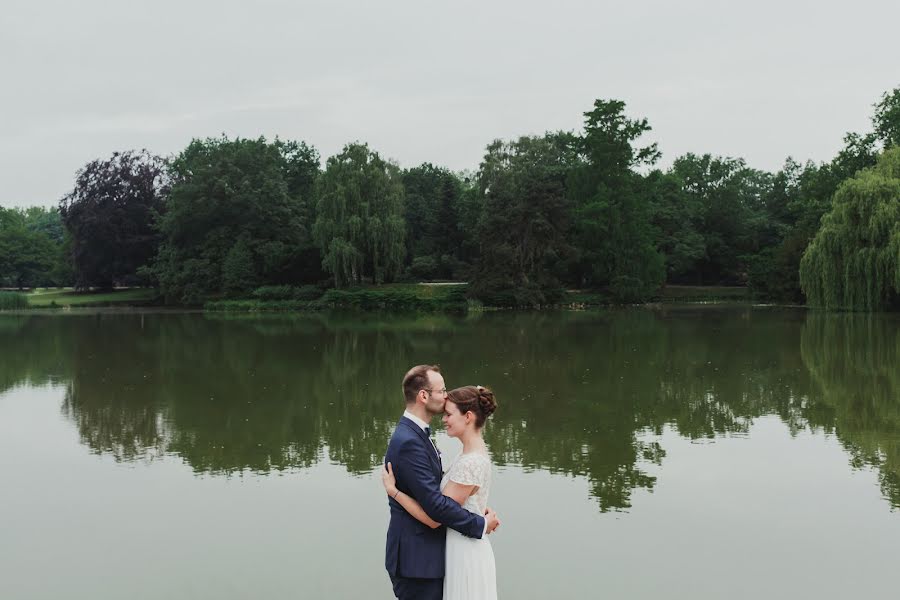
x=416 y=469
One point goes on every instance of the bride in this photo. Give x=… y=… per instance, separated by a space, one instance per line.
x=470 y=572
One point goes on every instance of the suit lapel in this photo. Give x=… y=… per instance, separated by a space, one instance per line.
x=429 y=447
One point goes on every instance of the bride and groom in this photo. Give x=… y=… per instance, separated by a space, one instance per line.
x=437 y=544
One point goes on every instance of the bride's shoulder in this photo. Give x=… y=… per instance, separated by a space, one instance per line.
x=475 y=458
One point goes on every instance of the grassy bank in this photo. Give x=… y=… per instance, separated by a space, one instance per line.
x=452 y=297
x=698 y=293
x=393 y=297
x=67 y=297
x=421 y=297
x=668 y=294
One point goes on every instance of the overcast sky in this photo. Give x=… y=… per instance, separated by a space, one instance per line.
x=430 y=81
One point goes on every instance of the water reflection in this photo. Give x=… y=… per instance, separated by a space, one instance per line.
x=579 y=392
x=855 y=362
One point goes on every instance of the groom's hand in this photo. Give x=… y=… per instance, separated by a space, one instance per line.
x=492 y=521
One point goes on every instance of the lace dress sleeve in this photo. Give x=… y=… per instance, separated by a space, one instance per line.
x=472 y=469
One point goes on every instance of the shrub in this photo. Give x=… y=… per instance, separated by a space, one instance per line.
x=269 y=293
x=424 y=267
x=274 y=292
x=308 y=292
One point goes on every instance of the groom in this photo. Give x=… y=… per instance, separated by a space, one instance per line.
x=415 y=553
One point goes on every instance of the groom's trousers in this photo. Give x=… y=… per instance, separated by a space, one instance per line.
x=410 y=588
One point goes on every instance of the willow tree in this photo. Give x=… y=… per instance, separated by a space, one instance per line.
x=359 y=224
x=853 y=263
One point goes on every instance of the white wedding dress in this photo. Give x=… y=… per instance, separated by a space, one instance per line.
x=470 y=572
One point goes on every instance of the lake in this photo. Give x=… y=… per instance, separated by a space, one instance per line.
x=675 y=452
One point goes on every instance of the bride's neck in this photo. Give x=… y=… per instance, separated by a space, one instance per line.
x=472 y=441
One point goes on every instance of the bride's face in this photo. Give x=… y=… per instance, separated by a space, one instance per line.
x=455 y=422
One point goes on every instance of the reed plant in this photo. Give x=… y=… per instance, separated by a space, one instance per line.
x=13 y=301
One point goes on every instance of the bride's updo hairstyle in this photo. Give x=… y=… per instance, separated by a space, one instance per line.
x=475 y=398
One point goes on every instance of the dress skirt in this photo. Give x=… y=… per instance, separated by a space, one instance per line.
x=470 y=572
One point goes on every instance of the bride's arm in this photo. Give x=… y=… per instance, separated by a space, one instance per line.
x=456 y=491
x=459 y=491
x=408 y=503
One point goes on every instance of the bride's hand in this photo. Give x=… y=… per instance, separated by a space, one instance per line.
x=387 y=478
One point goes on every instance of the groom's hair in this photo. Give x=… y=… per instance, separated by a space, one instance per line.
x=417 y=379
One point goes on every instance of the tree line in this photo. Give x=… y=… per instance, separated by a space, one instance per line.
x=586 y=210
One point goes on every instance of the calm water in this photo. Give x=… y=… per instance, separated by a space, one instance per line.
x=678 y=453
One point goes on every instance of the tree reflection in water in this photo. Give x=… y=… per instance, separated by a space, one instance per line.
x=580 y=393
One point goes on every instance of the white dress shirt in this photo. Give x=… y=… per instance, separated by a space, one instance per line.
x=422 y=424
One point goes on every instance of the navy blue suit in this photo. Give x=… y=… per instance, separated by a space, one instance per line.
x=415 y=552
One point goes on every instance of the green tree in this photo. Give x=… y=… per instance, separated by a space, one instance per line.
x=677 y=218
x=524 y=221
x=799 y=197
x=433 y=229
x=238 y=270
x=28 y=255
x=613 y=231
x=255 y=192
x=727 y=198
x=110 y=216
x=359 y=224
x=853 y=263
x=886 y=119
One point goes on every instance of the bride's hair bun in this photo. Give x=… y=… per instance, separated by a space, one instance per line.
x=475 y=398
x=486 y=400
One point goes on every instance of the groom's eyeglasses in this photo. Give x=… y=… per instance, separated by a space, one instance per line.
x=442 y=390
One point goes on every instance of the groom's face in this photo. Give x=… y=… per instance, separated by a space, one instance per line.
x=436 y=395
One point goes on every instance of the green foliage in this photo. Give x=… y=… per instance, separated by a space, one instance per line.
x=563 y=209
x=239 y=214
x=54 y=298
x=26 y=257
x=525 y=216
x=705 y=294
x=853 y=263
x=403 y=298
x=287 y=292
x=13 y=301
x=424 y=267
x=31 y=248
x=726 y=198
x=393 y=297
x=613 y=228
x=359 y=225
x=434 y=227
x=110 y=215
x=793 y=210
x=676 y=220
x=238 y=270
x=886 y=120
x=243 y=306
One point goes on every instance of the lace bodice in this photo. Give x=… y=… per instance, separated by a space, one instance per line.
x=473 y=468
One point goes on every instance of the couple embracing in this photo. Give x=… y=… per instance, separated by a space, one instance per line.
x=437 y=544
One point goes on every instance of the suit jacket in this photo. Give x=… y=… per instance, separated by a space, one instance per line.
x=413 y=548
